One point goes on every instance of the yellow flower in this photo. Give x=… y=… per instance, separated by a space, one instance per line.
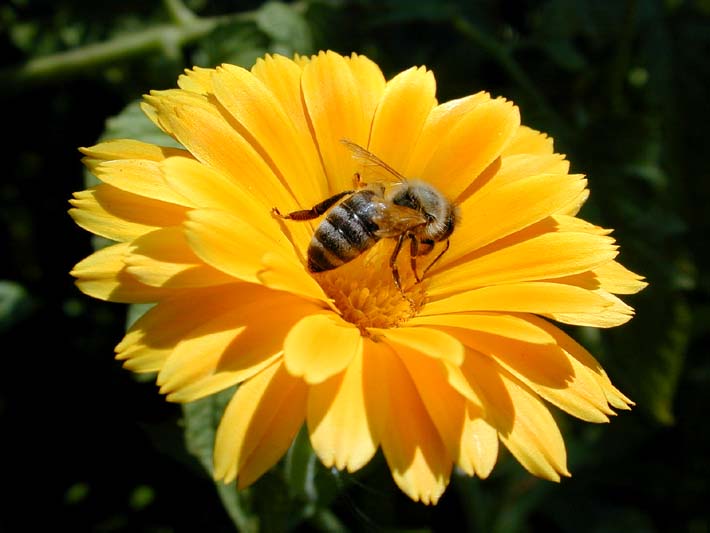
x=434 y=374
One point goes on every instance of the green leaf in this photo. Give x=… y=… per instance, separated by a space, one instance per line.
x=300 y=468
x=132 y=123
x=201 y=419
x=237 y=43
x=287 y=29
x=15 y=304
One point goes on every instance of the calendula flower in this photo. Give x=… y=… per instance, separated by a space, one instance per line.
x=436 y=372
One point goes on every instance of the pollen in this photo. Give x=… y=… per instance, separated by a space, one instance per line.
x=365 y=293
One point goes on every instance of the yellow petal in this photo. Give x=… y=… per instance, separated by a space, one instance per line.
x=471 y=145
x=156 y=333
x=546 y=256
x=479 y=443
x=428 y=341
x=259 y=425
x=144 y=360
x=103 y=275
x=208 y=135
x=158 y=106
x=331 y=93
x=141 y=177
x=548 y=370
x=416 y=456
x=121 y=216
x=229 y=348
x=574 y=205
x=263 y=119
x=521 y=166
x=527 y=297
x=617 y=279
x=440 y=121
x=543 y=195
x=338 y=419
x=197 y=80
x=561 y=222
x=505 y=325
x=162 y=258
x=529 y=141
x=407 y=101
x=232 y=244
x=370 y=82
x=320 y=346
x=288 y=274
x=129 y=149
x=524 y=423
x=445 y=406
x=282 y=76
x=577 y=351
x=208 y=188
x=615 y=314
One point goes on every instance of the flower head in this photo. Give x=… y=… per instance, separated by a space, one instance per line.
x=434 y=365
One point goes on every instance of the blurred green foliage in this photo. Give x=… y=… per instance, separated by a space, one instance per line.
x=622 y=86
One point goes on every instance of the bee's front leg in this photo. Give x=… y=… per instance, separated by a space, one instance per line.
x=448 y=243
x=416 y=249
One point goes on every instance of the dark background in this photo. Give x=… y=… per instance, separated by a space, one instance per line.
x=621 y=85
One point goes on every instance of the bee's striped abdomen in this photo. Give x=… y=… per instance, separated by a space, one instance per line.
x=346 y=232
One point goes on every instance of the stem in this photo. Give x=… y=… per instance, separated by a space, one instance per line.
x=231 y=502
x=168 y=37
x=179 y=12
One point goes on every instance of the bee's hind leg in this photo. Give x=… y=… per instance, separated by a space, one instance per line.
x=315 y=211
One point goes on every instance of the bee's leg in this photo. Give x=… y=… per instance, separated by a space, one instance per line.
x=393 y=262
x=315 y=211
x=437 y=257
x=413 y=253
x=416 y=249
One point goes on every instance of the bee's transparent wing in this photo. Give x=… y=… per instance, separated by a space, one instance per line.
x=374 y=170
x=394 y=220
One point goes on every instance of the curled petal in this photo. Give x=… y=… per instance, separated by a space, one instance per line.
x=104 y=275
x=341 y=419
x=479 y=443
x=259 y=425
x=153 y=337
x=431 y=342
x=162 y=258
x=122 y=216
x=527 y=297
x=320 y=346
x=523 y=422
x=414 y=451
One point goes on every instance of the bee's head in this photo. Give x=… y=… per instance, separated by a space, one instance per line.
x=439 y=211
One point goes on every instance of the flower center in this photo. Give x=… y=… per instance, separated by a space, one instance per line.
x=364 y=291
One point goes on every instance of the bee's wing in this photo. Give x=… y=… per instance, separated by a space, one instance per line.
x=393 y=220
x=374 y=169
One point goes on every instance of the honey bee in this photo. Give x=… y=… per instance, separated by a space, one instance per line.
x=403 y=210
